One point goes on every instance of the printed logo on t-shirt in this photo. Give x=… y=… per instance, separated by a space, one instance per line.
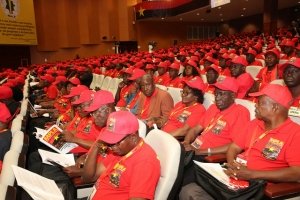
x=87 y=129
x=272 y=149
x=183 y=116
x=115 y=176
x=220 y=125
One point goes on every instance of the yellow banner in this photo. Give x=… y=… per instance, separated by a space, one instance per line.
x=17 y=22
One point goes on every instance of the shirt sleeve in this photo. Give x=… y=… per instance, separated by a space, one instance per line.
x=292 y=153
x=52 y=92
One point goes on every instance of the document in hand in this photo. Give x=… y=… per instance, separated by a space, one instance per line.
x=53 y=139
x=216 y=170
x=64 y=160
x=38 y=187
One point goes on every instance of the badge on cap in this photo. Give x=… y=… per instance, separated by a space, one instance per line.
x=111 y=124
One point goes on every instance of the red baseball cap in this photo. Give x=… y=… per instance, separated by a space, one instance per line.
x=292 y=61
x=192 y=63
x=289 y=43
x=5 y=92
x=119 y=125
x=48 y=78
x=251 y=51
x=137 y=73
x=227 y=83
x=4 y=114
x=278 y=93
x=101 y=98
x=85 y=96
x=175 y=65
x=149 y=66
x=245 y=82
x=240 y=60
x=128 y=70
x=74 y=81
x=215 y=67
x=274 y=51
x=76 y=91
x=196 y=83
x=60 y=79
x=163 y=65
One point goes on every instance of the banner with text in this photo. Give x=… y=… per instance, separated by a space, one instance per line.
x=17 y=22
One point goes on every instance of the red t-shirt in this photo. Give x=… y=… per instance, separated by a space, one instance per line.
x=181 y=115
x=266 y=76
x=123 y=95
x=134 y=176
x=222 y=126
x=86 y=130
x=177 y=83
x=62 y=104
x=279 y=148
x=163 y=79
x=52 y=92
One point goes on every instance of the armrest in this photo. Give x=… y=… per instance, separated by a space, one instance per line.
x=217 y=158
x=78 y=183
x=275 y=190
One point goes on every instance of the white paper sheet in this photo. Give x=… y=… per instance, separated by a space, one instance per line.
x=38 y=187
x=64 y=160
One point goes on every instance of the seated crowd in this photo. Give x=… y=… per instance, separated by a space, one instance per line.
x=112 y=154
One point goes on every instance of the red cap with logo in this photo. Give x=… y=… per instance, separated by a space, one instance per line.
x=85 y=96
x=240 y=60
x=76 y=91
x=278 y=93
x=227 y=83
x=196 y=83
x=175 y=65
x=215 y=67
x=137 y=73
x=101 y=98
x=74 y=81
x=119 y=125
x=274 y=51
x=60 y=79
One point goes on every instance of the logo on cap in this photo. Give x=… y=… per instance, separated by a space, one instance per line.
x=111 y=124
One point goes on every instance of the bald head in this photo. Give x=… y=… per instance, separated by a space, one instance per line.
x=147 y=85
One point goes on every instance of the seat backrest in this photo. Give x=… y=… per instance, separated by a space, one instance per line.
x=278 y=82
x=162 y=87
x=249 y=105
x=175 y=94
x=113 y=85
x=169 y=151
x=17 y=141
x=106 y=83
x=295 y=119
x=92 y=85
x=208 y=100
x=7 y=176
x=253 y=70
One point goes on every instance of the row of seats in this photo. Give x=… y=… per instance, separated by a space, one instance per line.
x=18 y=149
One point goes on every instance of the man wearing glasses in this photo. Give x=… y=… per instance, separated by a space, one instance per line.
x=130 y=169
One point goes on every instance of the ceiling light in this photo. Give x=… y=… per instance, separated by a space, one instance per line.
x=162 y=18
x=198 y=14
x=202 y=19
x=242 y=15
x=219 y=7
x=222 y=20
x=244 y=8
x=221 y=14
x=180 y=19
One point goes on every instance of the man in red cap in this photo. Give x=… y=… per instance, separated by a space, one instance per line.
x=244 y=80
x=174 y=79
x=224 y=118
x=163 y=75
x=288 y=50
x=291 y=77
x=271 y=71
x=250 y=57
x=212 y=75
x=186 y=113
x=124 y=88
x=125 y=175
x=154 y=104
x=216 y=129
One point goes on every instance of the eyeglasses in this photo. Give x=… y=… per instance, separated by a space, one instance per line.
x=99 y=111
x=185 y=93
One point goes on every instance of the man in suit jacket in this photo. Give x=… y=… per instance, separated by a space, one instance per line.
x=154 y=105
